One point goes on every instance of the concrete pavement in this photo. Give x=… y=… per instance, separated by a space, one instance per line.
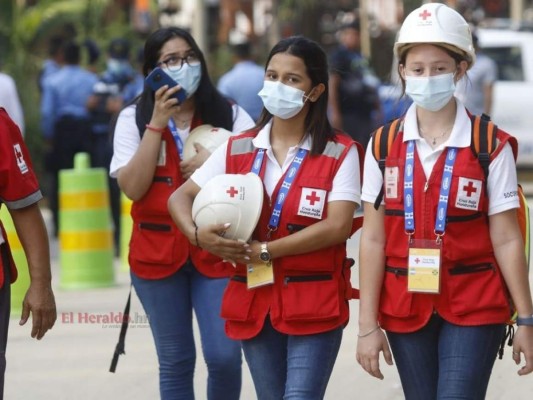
x=73 y=359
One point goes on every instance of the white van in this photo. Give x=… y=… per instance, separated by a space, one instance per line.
x=512 y=108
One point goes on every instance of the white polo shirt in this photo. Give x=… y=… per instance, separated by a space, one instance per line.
x=346 y=183
x=502 y=179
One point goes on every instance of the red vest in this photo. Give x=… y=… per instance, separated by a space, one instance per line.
x=157 y=246
x=472 y=290
x=310 y=291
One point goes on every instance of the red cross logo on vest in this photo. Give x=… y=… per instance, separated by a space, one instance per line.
x=469 y=189
x=312 y=198
x=232 y=192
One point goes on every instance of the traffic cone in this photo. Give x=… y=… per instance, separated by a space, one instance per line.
x=21 y=285
x=85 y=233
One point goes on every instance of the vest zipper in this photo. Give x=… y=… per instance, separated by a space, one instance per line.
x=155 y=227
x=163 y=179
x=471 y=269
x=307 y=278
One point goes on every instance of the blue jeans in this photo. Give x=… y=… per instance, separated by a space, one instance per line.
x=290 y=366
x=169 y=304
x=446 y=361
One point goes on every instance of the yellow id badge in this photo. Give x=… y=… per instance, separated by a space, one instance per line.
x=260 y=274
x=424 y=266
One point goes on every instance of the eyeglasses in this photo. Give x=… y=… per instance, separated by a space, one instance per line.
x=174 y=63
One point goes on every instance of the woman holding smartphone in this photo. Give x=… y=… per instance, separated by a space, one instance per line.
x=172 y=277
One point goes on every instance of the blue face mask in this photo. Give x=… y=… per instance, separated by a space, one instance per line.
x=430 y=92
x=282 y=100
x=188 y=77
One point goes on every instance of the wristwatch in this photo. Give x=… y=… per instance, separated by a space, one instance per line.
x=528 y=321
x=264 y=255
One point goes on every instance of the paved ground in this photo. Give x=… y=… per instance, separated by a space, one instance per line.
x=72 y=361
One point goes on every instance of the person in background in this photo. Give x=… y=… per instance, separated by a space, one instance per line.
x=9 y=99
x=65 y=118
x=291 y=326
x=93 y=55
x=55 y=60
x=135 y=87
x=353 y=96
x=476 y=88
x=20 y=193
x=242 y=83
x=104 y=104
x=441 y=296
x=172 y=278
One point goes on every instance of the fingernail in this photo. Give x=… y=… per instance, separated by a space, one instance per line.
x=227 y=224
x=247 y=258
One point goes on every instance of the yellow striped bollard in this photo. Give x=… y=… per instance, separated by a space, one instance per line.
x=85 y=233
x=126 y=226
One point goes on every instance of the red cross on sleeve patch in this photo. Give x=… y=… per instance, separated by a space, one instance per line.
x=468 y=193
x=20 y=158
x=312 y=202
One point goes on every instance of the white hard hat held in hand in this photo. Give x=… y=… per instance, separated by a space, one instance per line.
x=206 y=135
x=233 y=198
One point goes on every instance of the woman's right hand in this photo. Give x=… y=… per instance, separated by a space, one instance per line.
x=368 y=349
x=211 y=238
x=165 y=105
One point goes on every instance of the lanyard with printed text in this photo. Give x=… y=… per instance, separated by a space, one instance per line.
x=408 y=197
x=176 y=136
x=285 y=186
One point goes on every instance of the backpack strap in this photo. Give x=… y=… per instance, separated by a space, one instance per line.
x=382 y=141
x=483 y=141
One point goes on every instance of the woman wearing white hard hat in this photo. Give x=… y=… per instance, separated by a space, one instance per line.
x=171 y=277
x=440 y=254
x=288 y=298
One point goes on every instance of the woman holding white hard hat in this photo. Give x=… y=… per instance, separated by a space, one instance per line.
x=171 y=277
x=443 y=215
x=288 y=299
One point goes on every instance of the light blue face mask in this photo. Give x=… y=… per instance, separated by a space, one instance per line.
x=188 y=77
x=282 y=100
x=430 y=92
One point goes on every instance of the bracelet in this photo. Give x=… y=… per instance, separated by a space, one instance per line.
x=196 y=236
x=369 y=332
x=154 y=129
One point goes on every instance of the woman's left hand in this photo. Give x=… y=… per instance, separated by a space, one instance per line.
x=523 y=344
x=211 y=238
x=188 y=167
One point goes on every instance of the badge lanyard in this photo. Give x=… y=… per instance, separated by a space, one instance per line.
x=285 y=186
x=176 y=136
x=408 y=196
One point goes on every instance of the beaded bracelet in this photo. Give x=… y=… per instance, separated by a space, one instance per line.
x=369 y=332
x=154 y=129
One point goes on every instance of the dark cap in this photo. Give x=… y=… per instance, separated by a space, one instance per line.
x=119 y=49
x=93 y=52
x=350 y=25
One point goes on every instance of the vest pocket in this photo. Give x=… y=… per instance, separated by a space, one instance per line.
x=475 y=287
x=237 y=300
x=395 y=299
x=310 y=298
x=148 y=236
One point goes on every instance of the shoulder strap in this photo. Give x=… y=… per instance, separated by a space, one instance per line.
x=382 y=141
x=483 y=140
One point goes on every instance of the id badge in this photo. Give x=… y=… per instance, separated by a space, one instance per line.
x=391 y=182
x=424 y=266
x=259 y=274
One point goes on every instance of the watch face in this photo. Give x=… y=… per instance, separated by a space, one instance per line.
x=264 y=256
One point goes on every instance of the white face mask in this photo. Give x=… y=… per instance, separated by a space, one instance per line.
x=430 y=92
x=188 y=77
x=282 y=100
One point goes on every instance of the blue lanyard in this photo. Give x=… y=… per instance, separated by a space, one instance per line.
x=285 y=186
x=176 y=136
x=408 y=196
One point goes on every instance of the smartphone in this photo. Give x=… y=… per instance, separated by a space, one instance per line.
x=158 y=78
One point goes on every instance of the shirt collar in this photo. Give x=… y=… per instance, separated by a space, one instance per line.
x=457 y=138
x=262 y=139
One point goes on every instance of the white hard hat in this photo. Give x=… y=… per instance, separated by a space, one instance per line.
x=233 y=198
x=438 y=24
x=207 y=136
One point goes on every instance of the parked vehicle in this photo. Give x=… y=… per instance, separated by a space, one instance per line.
x=513 y=92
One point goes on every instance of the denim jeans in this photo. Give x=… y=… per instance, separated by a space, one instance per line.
x=5 y=310
x=446 y=361
x=169 y=304
x=291 y=366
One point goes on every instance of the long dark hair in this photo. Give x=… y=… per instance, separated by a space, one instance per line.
x=210 y=105
x=316 y=63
